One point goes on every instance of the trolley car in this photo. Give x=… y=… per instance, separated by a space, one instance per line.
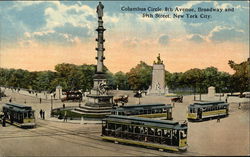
x=145 y=110
x=19 y=115
x=205 y=110
x=159 y=134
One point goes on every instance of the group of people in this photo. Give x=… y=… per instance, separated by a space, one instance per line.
x=42 y=114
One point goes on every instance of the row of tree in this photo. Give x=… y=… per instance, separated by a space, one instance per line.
x=80 y=77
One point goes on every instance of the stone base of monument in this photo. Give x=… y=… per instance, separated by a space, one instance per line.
x=97 y=106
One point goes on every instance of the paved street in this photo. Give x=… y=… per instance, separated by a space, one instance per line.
x=53 y=137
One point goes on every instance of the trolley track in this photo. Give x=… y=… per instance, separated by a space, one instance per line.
x=87 y=138
x=97 y=142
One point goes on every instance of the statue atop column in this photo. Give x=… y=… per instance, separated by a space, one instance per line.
x=99 y=10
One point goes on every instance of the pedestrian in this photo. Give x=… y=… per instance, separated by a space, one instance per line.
x=11 y=118
x=41 y=113
x=4 y=121
x=239 y=107
x=10 y=100
x=218 y=119
x=65 y=116
x=63 y=105
x=40 y=100
x=185 y=122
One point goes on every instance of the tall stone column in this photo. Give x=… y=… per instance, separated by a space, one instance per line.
x=99 y=77
x=100 y=40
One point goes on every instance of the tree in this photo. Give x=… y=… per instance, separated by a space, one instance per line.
x=74 y=77
x=121 y=80
x=139 y=77
x=44 y=81
x=195 y=78
x=242 y=74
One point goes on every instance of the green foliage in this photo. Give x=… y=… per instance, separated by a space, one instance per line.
x=73 y=77
x=241 y=75
x=69 y=76
x=200 y=79
x=80 y=77
x=121 y=80
x=140 y=77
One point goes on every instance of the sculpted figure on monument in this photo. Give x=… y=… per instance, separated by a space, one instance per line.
x=159 y=61
x=157 y=86
x=102 y=88
x=99 y=10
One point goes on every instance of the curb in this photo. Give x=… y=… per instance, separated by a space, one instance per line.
x=73 y=122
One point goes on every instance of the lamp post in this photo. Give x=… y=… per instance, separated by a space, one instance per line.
x=139 y=95
x=51 y=95
x=0 y=94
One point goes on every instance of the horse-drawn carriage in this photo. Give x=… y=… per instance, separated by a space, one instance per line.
x=73 y=96
x=177 y=99
x=121 y=99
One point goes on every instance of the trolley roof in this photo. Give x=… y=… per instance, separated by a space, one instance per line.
x=143 y=106
x=146 y=122
x=208 y=103
x=18 y=107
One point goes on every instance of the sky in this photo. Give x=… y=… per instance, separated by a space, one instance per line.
x=37 y=35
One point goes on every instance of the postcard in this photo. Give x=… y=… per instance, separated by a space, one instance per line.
x=124 y=78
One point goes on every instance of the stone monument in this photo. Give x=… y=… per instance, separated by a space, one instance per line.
x=158 y=78
x=99 y=102
x=211 y=91
x=58 y=92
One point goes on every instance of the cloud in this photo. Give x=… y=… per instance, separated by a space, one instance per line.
x=163 y=40
x=76 y=21
x=49 y=38
x=221 y=34
x=196 y=38
x=76 y=31
x=34 y=22
x=130 y=43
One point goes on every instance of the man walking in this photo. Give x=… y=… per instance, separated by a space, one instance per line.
x=65 y=116
x=218 y=119
x=41 y=113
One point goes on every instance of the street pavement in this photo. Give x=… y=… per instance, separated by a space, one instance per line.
x=53 y=137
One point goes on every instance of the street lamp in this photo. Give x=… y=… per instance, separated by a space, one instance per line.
x=51 y=95
x=0 y=94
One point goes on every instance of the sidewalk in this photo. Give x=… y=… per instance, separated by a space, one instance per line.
x=83 y=121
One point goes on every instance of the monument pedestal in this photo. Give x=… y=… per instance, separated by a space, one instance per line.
x=211 y=91
x=158 y=80
x=58 y=92
x=99 y=103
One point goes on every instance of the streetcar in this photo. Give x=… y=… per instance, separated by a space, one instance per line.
x=158 y=134
x=145 y=110
x=205 y=110
x=19 y=115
